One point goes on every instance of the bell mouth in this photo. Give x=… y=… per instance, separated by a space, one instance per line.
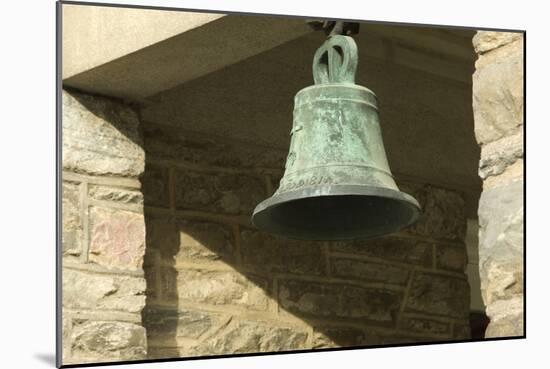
x=336 y=212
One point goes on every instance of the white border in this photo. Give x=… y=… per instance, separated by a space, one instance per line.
x=28 y=181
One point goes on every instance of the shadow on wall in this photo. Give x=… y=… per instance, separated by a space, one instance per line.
x=216 y=285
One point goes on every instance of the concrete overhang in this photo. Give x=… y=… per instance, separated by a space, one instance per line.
x=135 y=53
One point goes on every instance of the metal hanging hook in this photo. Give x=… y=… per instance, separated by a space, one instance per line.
x=336 y=60
x=332 y=28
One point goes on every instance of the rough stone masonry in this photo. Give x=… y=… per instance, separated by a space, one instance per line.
x=498 y=114
x=160 y=258
x=216 y=285
x=103 y=238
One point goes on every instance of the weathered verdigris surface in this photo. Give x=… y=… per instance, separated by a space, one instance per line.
x=498 y=112
x=103 y=231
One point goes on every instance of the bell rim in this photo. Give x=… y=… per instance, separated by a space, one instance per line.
x=339 y=190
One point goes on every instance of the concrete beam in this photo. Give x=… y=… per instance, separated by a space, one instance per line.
x=96 y=35
x=136 y=53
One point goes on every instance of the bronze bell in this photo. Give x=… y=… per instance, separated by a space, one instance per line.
x=337 y=183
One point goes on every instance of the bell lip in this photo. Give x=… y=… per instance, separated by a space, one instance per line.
x=339 y=190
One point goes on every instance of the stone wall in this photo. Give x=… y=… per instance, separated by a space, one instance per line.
x=498 y=114
x=159 y=258
x=216 y=285
x=103 y=238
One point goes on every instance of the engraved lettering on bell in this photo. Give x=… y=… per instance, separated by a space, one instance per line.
x=287 y=184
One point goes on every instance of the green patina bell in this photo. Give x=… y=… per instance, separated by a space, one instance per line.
x=337 y=183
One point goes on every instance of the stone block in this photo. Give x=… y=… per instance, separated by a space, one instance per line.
x=120 y=195
x=100 y=136
x=425 y=326
x=96 y=341
x=167 y=327
x=233 y=194
x=498 y=155
x=512 y=173
x=222 y=288
x=377 y=306
x=204 y=241
x=439 y=295
x=303 y=298
x=267 y=253
x=117 y=238
x=71 y=236
x=501 y=256
x=501 y=242
x=83 y=290
x=390 y=248
x=369 y=272
x=251 y=336
x=443 y=213
x=338 y=301
x=501 y=222
x=485 y=41
x=173 y=144
x=155 y=184
x=451 y=257
x=498 y=93
x=506 y=317
x=501 y=280
x=511 y=325
x=196 y=191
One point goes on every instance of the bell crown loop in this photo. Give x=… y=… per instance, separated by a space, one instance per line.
x=336 y=61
